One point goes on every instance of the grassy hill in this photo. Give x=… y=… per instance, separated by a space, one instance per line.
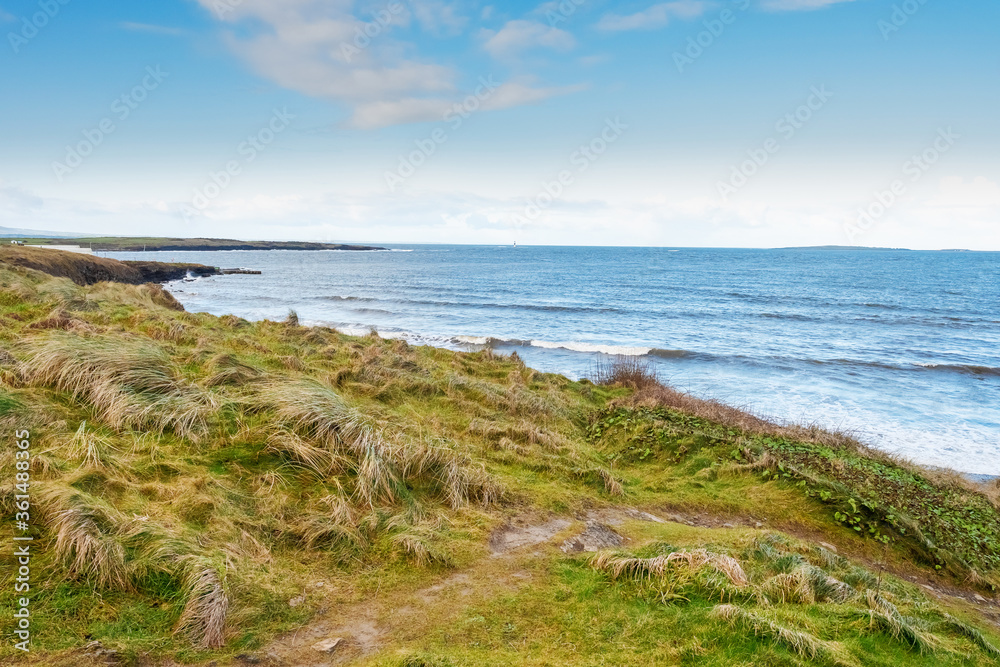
x=207 y=490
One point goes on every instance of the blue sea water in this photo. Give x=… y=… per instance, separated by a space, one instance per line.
x=898 y=347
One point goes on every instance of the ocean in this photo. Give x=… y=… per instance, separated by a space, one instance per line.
x=899 y=348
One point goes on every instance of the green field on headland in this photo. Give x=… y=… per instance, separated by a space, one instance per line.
x=208 y=490
x=141 y=243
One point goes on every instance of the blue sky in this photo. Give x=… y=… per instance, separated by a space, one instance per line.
x=266 y=119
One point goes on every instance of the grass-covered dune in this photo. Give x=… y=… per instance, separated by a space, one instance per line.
x=138 y=243
x=88 y=269
x=207 y=490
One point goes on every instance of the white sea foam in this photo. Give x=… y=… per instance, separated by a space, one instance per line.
x=616 y=350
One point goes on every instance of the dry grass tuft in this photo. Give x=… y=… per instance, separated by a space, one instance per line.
x=290 y=445
x=972 y=634
x=93 y=451
x=86 y=542
x=801 y=643
x=618 y=565
x=378 y=480
x=382 y=462
x=416 y=542
x=612 y=485
x=204 y=616
x=626 y=371
x=225 y=369
x=883 y=616
x=130 y=384
x=792 y=587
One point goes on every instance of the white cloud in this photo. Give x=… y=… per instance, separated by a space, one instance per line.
x=522 y=35
x=955 y=193
x=510 y=94
x=439 y=18
x=313 y=47
x=146 y=27
x=16 y=202
x=653 y=17
x=519 y=93
x=798 y=5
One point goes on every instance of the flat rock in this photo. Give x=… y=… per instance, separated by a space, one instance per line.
x=296 y=601
x=516 y=536
x=597 y=536
x=328 y=645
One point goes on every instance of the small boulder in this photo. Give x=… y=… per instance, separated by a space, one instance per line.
x=328 y=645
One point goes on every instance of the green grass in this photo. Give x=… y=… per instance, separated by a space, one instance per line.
x=193 y=474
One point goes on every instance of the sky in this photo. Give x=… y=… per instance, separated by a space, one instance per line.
x=743 y=123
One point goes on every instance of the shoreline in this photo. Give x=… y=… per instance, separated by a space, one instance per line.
x=472 y=344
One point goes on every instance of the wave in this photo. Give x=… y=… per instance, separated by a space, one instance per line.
x=372 y=311
x=790 y=316
x=965 y=369
x=882 y=306
x=574 y=346
x=643 y=351
x=485 y=305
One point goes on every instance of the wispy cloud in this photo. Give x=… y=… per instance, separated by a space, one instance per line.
x=652 y=17
x=146 y=27
x=321 y=49
x=419 y=110
x=798 y=5
x=6 y=18
x=439 y=18
x=523 y=35
x=313 y=47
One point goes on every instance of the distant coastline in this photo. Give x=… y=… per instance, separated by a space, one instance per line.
x=869 y=248
x=138 y=244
